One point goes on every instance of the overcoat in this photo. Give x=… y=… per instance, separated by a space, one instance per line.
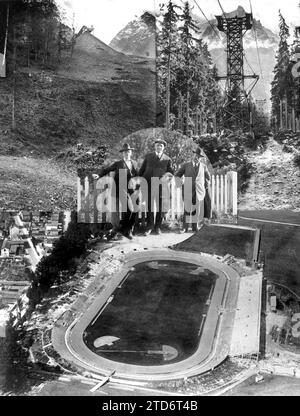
x=189 y=171
x=200 y=191
x=116 y=168
x=153 y=166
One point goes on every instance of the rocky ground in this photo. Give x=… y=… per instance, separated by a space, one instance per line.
x=275 y=184
x=36 y=184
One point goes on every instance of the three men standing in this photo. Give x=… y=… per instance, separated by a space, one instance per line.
x=156 y=169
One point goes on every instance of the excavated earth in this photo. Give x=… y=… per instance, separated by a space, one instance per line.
x=275 y=184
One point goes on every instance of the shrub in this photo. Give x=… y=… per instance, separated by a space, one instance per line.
x=16 y=360
x=84 y=157
x=179 y=147
x=227 y=151
x=297 y=160
x=289 y=139
x=51 y=269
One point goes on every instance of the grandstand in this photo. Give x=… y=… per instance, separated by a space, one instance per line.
x=246 y=329
x=224 y=374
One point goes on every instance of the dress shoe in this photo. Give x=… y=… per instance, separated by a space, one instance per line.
x=115 y=237
x=128 y=235
x=183 y=230
x=111 y=234
x=147 y=232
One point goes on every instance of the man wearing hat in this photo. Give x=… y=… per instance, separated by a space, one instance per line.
x=155 y=165
x=127 y=167
x=200 y=178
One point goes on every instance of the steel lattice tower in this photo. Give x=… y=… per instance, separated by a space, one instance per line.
x=235 y=25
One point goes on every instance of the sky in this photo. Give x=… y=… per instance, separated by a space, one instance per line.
x=108 y=17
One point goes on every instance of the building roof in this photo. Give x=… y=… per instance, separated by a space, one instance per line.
x=13 y=269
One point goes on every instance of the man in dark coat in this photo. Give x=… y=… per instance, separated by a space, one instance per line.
x=197 y=172
x=127 y=167
x=155 y=165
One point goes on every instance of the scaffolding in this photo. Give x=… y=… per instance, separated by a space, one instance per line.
x=237 y=111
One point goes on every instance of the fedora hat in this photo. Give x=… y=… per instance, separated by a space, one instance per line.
x=199 y=152
x=161 y=141
x=126 y=147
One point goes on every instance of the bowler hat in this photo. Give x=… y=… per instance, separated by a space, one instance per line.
x=126 y=147
x=161 y=141
x=199 y=152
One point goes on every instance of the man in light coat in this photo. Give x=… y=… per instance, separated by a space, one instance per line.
x=198 y=175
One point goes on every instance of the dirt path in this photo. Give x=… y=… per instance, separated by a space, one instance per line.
x=35 y=184
x=275 y=184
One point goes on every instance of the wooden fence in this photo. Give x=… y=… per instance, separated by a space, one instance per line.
x=223 y=190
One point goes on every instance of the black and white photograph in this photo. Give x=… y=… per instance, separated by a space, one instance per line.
x=149 y=200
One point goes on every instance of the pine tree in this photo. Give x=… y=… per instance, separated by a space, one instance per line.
x=282 y=84
x=167 y=46
x=296 y=63
x=188 y=63
x=186 y=78
x=33 y=28
x=213 y=97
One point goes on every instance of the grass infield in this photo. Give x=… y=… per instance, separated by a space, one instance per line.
x=160 y=303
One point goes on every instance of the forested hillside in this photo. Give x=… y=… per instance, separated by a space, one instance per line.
x=187 y=83
x=285 y=92
x=63 y=88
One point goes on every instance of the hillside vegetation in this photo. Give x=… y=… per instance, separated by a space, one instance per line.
x=54 y=112
x=62 y=89
x=88 y=99
x=36 y=184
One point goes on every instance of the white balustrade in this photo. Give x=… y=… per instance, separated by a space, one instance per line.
x=223 y=190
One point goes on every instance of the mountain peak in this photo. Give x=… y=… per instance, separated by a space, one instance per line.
x=149 y=19
x=239 y=12
x=241 y=9
x=138 y=37
x=214 y=38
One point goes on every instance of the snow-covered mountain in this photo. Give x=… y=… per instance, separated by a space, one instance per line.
x=137 y=38
x=265 y=37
